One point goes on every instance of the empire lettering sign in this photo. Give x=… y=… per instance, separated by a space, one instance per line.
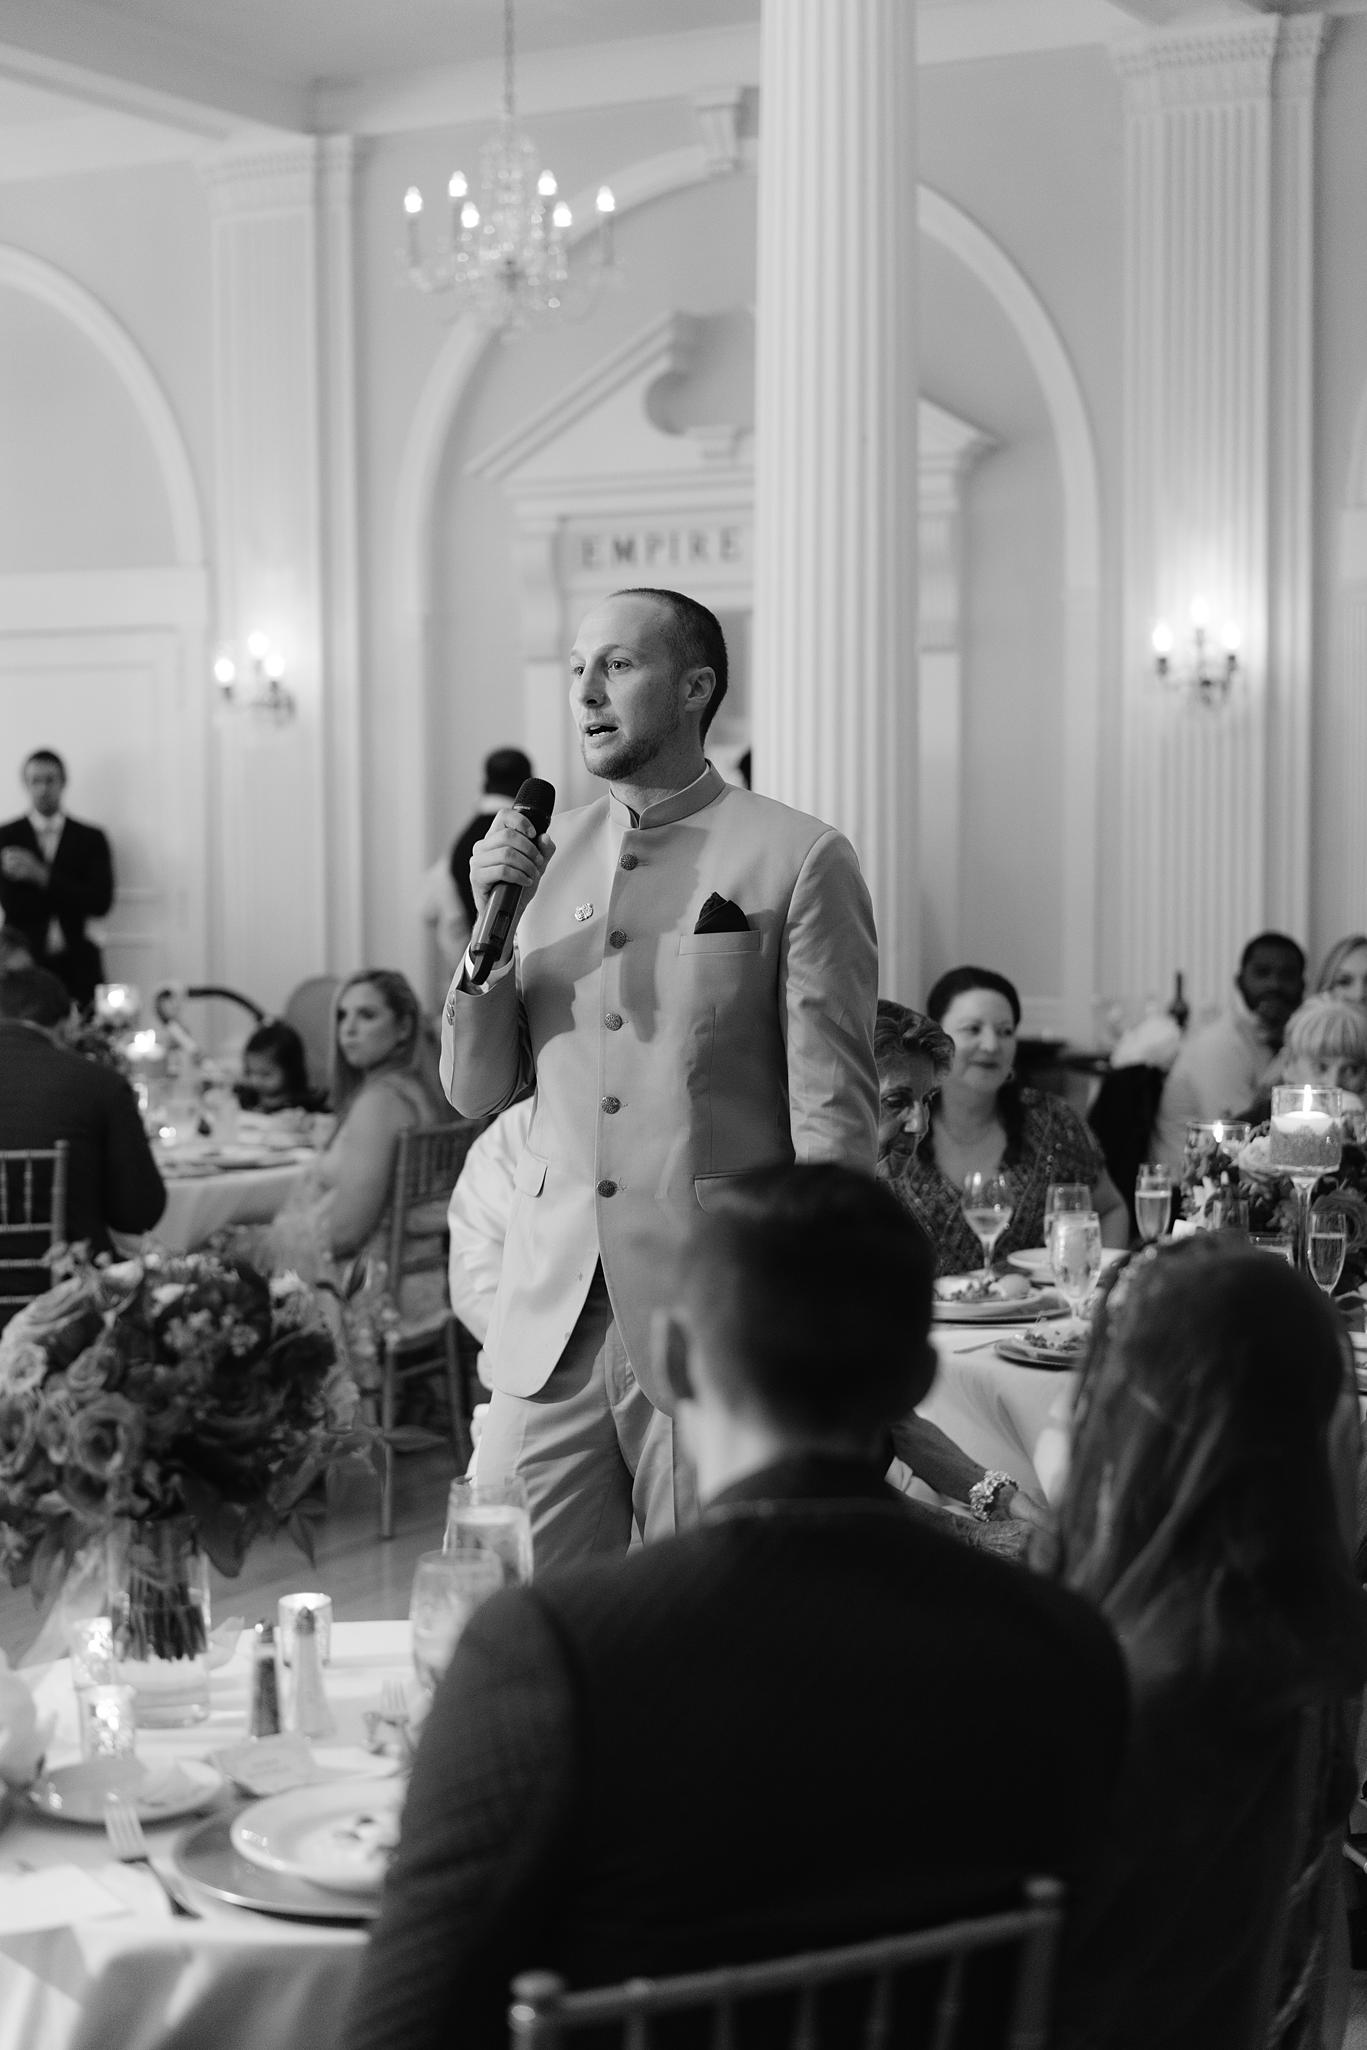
x=705 y=545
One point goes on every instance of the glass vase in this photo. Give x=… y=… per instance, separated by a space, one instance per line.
x=159 y=1607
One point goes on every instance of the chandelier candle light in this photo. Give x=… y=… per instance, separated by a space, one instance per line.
x=505 y=258
x=1305 y=1141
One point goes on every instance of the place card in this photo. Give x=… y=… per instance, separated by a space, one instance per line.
x=53 y=1899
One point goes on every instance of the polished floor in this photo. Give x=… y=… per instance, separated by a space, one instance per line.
x=364 y=1576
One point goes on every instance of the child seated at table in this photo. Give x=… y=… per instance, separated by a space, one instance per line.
x=274 y=1071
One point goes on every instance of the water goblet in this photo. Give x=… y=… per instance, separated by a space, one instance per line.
x=1075 y=1256
x=491 y=1516
x=1065 y=1196
x=1325 y=1249
x=1152 y=1202
x=988 y=1206
x=447 y=1589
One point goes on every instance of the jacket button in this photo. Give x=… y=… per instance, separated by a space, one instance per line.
x=611 y=1104
x=607 y=1188
x=630 y=861
x=613 y=1021
x=617 y=938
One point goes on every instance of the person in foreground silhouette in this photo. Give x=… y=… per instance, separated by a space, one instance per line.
x=802 y=1722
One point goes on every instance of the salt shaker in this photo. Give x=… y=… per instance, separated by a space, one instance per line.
x=264 y=1720
x=310 y=1714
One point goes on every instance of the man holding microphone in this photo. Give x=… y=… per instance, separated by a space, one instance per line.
x=692 y=996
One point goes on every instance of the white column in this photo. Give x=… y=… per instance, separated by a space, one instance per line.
x=1219 y=235
x=836 y=477
x=289 y=807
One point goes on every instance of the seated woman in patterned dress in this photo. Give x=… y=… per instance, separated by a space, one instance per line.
x=983 y=1119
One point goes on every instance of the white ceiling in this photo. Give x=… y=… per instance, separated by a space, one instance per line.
x=83 y=82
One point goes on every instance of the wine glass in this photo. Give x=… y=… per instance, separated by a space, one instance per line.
x=1065 y=1196
x=1325 y=1248
x=491 y=1516
x=1152 y=1202
x=988 y=1206
x=447 y=1589
x=1075 y=1255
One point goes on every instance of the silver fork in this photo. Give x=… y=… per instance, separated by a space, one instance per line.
x=129 y=1845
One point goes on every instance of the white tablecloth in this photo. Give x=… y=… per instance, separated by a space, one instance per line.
x=235 y=1981
x=995 y=1411
x=199 y=1205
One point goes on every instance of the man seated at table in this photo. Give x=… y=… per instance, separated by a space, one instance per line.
x=1220 y=1069
x=49 y=1093
x=810 y=1720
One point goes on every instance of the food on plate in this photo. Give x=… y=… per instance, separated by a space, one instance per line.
x=971 y=1288
x=1053 y=1338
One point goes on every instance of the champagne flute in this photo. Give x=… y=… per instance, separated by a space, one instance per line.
x=1075 y=1255
x=447 y=1589
x=1326 y=1248
x=988 y=1205
x=1152 y=1202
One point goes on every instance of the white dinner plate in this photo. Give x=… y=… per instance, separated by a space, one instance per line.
x=206 y=1856
x=1041 y=1302
x=1034 y=1260
x=75 y=1793
x=340 y=1835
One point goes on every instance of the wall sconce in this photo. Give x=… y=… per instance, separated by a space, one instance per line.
x=264 y=691
x=1208 y=671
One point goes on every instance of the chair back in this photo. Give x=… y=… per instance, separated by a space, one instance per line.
x=874 y=1977
x=425 y=1169
x=309 y=1010
x=32 y=1221
x=1123 y=1115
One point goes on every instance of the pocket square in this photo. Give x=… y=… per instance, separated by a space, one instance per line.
x=719 y=914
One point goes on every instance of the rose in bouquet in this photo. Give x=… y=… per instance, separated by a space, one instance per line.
x=1212 y=1173
x=183 y=1394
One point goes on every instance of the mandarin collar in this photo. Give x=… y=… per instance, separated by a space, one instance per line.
x=694 y=796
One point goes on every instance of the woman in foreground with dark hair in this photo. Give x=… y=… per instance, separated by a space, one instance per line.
x=1209 y=1515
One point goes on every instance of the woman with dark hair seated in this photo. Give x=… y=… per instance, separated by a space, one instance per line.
x=275 y=1071
x=1208 y=1514
x=983 y=1119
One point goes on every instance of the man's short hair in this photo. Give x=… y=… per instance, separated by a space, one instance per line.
x=698 y=640
x=1281 y=940
x=814 y=1288
x=505 y=771
x=899 y=1033
x=33 y=995
x=44 y=754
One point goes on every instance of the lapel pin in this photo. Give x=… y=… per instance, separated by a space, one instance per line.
x=582 y=912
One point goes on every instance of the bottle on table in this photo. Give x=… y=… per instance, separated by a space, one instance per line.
x=1179 y=1010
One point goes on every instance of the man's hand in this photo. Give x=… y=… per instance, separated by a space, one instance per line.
x=509 y=853
x=22 y=867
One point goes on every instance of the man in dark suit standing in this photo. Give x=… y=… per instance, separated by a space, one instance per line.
x=49 y=1093
x=55 y=874
x=809 y=1720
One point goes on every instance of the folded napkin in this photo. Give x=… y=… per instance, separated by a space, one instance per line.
x=53 y=1899
x=719 y=914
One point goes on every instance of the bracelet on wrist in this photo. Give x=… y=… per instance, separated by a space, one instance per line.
x=985 y=1495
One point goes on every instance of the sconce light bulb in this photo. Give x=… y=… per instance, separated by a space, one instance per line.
x=225 y=672
x=274 y=665
x=1230 y=637
x=258 y=645
x=1162 y=640
x=458 y=186
x=562 y=215
x=469 y=215
x=605 y=202
x=412 y=202
x=546 y=185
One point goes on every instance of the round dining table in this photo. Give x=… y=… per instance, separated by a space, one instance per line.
x=1010 y=1418
x=208 y=1189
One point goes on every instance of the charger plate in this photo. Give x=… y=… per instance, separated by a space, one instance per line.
x=1041 y=1302
x=207 y=1858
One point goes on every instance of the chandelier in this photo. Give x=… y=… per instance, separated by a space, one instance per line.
x=505 y=258
x=1206 y=671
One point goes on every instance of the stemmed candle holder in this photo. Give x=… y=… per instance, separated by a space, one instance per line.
x=1305 y=1142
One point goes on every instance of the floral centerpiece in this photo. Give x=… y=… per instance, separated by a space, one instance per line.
x=165 y=1407
x=1214 y=1172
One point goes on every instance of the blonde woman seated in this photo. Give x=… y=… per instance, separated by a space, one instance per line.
x=1344 y=973
x=384 y=1082
x=1209 y=1516
x=1326 y=1045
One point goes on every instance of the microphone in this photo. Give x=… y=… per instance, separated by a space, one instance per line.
x=536 y=801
